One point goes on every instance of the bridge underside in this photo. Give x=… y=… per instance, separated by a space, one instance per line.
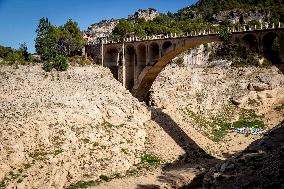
x=137 y=64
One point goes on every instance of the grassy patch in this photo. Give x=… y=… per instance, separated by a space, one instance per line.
x=220 y=129
x=82 y=184
x=151 y=159
x=105 y=178
x=217 y=127
x=258 y=124
x=279 y=108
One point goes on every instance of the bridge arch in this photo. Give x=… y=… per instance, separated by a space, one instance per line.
x=166 y=46
x=141 y=58
x=267 y=41
x=148 y=75
x=130 y=57
x=111 y=60
x=154 y=53
x=268 y=48
x=250 y=41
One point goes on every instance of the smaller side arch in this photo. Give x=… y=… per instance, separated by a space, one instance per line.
x=141 y=59
x=167 y=45
x=130 y=56
x=154 y=53
x=271 y=50
x=111 y=60
x=251 y=42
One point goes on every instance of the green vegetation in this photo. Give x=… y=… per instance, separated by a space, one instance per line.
x=279 y=108
x=105 y=178
x=197 y=17
x=150 y=159
x=276 y=44
x=162 y=24
x=249 y=119
x=16 y=56
x=217 y=127
x=207 y=8
x=225 y=35
x=82 y=184
x=240 y=56
x=54 y=43
x=86 y=184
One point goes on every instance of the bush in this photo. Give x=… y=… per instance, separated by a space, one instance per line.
x=225 y=35
x=80 y=60
x=60 y=63
x=47 y=66
x=179 y=62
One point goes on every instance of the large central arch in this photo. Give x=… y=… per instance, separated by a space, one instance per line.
x=170 y=50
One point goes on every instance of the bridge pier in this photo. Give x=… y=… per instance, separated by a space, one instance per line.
x=282 y=48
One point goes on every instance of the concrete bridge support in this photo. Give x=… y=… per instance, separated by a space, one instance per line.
x=282 y=48
x=130 y=65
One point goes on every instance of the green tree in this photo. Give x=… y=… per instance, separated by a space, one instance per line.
x=23 y=50
x=123 y=29
x=225 y=35
x=276 y=44
x=45 y=43
x=73 y=38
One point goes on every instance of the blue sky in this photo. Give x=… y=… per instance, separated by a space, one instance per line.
x=19 y=18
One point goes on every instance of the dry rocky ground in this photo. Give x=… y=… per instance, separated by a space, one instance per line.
x=196 y=97
x=61 y=128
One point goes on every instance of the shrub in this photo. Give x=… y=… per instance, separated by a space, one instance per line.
x=47 y=66
x=105 y=178
x=225 y=35
x=60 y=63
x=179 y=62
x=81 y=184
x=150 y=159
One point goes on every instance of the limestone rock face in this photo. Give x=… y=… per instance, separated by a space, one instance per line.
x=105 y=27
x=241 y=16
x=101 y=29
x=59 y=128
x=147 y=14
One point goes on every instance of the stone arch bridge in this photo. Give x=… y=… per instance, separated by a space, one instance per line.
x=136 y=63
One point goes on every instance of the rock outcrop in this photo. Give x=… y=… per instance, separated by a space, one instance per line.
x=261 y=165
x=193 y=97
x=147 y=14
x=105 y=27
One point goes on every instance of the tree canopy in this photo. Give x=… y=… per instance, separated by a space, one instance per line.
x=66 y=40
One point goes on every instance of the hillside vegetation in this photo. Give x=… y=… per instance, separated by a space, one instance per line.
x=196 y=17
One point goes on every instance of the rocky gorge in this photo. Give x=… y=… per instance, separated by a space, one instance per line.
x=209 y=121
x=62 y=128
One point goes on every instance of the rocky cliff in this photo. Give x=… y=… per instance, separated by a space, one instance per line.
x=105 y=27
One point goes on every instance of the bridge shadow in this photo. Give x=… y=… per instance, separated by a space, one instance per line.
x=195 y=158
x=260 y=165
x=191 y=149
